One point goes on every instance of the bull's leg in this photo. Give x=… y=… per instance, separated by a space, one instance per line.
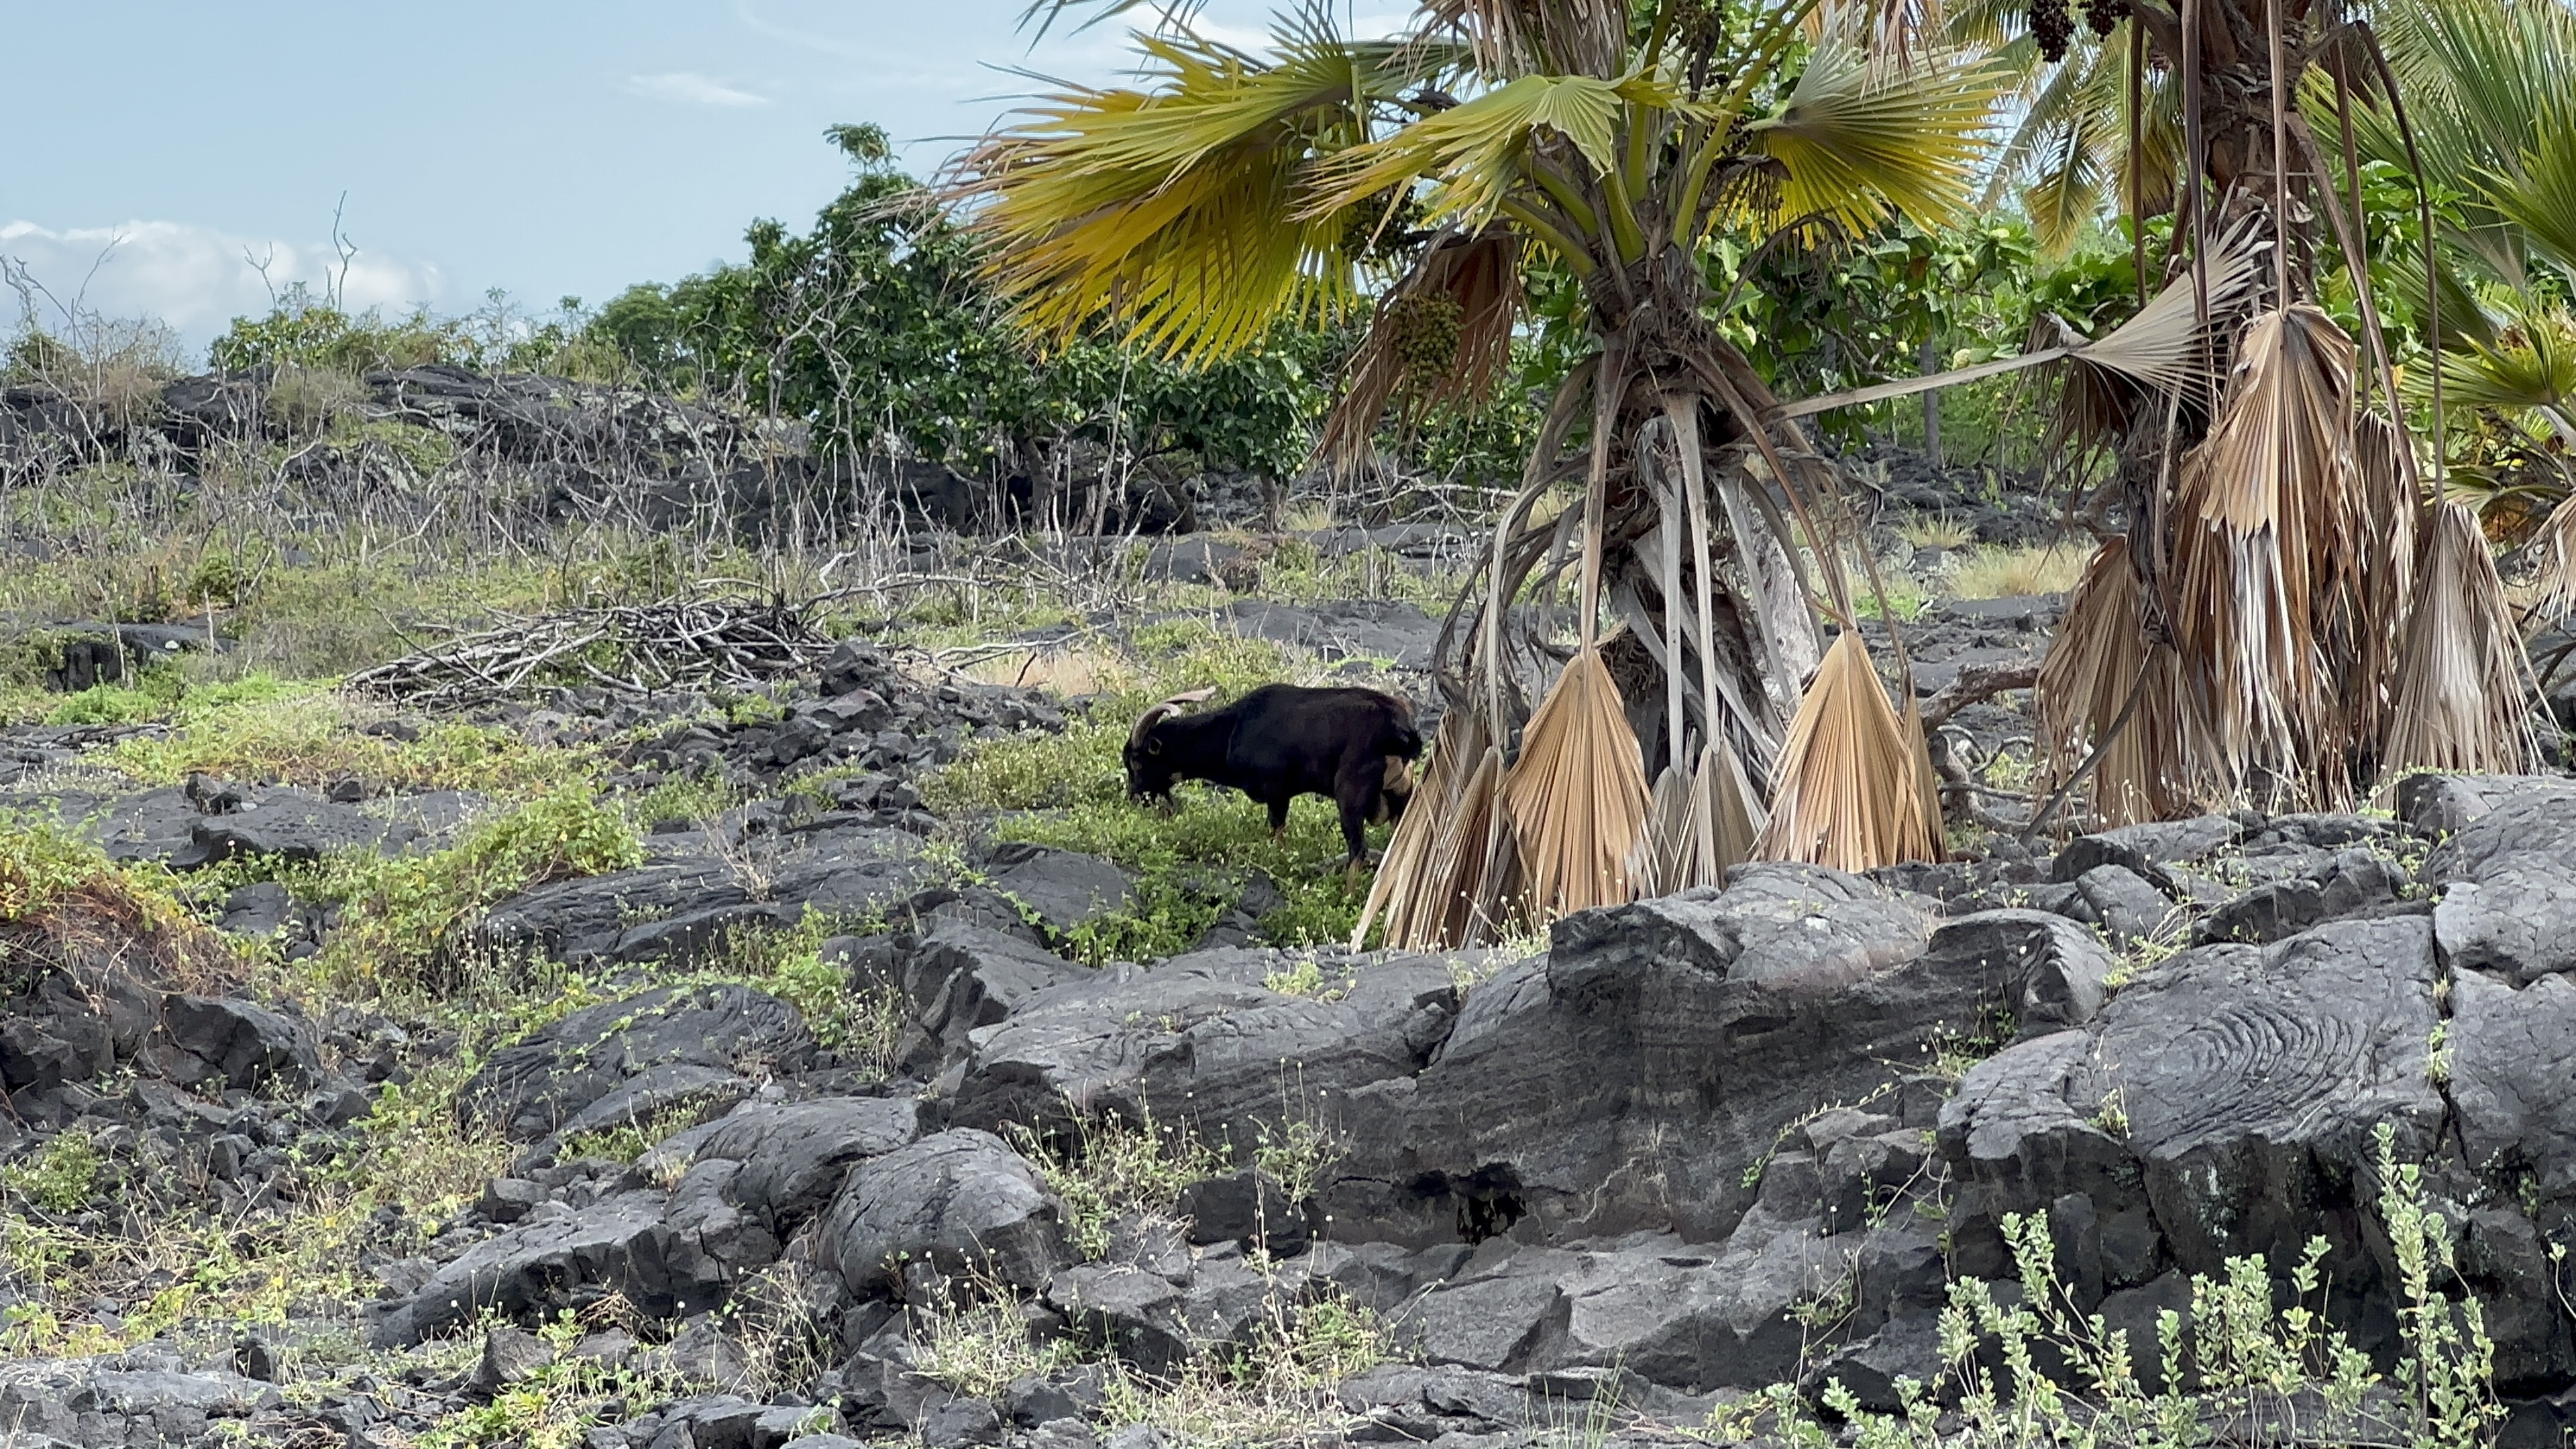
x=1279 y=820
x=1358 y=788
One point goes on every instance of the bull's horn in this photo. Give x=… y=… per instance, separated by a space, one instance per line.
x=1155 y=715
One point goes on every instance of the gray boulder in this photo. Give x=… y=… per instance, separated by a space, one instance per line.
x=1059 y=887
x=2130 y=907
x=625 y=1061
x=620 y=1244
x=955 y=1202
x=211 y=1037
x=2319 y=886
x=289 y=825
x=2508 y=882
x=795 y=1155
x=959 y=977
x=2223 y=1104
x=2513 y=1079
x=1629 y=1079
x=2048 y=969
x=2145 y=850
x=1185 y=1046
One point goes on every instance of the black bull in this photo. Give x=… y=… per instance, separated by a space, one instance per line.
x=1282 y=741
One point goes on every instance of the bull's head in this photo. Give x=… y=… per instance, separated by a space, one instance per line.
x=1150 y=774
x=1395 y=791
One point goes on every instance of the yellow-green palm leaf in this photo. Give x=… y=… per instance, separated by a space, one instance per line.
x=1859 y=134
x=1179 y=208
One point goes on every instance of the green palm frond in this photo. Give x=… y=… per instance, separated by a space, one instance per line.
x=2539 y=197
x=2068 y=155
x=1475 y=151
x=1180 y=207
x=2531 y=363
x=1858 y=134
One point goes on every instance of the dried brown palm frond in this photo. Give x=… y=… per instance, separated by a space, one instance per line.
x=2461 y=677
x=1513 y=37
x=1449 y=877
x=1846 y=793
x=2554 y=594
x=2372 y=616
x=2104 y=686
x=1668 y=851
x=2266 y=533
x=1577 y=794
x=1400 y=871
x=1441 y=335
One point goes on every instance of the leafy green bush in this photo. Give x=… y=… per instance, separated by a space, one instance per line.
x=2242 y=1366
x=61 y=1178
x=406 y=915
x=40 y=864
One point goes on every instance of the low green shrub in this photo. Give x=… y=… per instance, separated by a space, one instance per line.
x=40 y=864
x=405 y=915
x=63 y=1177
x=2242 y=1366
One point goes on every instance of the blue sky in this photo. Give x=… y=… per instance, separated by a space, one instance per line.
x=546 y=147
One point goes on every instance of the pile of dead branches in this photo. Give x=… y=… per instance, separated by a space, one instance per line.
x=703 y=643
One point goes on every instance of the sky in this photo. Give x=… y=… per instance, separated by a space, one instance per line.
x=160 y=153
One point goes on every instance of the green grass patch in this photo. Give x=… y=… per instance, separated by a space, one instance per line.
x=1069 y=791
x=42 y=864
x=405 y=917
x=294 y=733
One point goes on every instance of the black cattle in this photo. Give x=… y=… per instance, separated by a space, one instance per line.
x=1282 y=741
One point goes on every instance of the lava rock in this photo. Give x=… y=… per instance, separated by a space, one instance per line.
x=2508 y=882
x=289 y=825
x=1630 y=1078
x=2049 y=969
x=634 y=1057
x=243 y=1044
x=957 y=1201
x=1059 y=887
x=795 y=1155
x=620 y=1244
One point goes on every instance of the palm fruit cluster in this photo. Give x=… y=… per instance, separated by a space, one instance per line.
x=1698 y=25
x=2052 y=27
x=1370 y=232
x=1421 y=330
x=2104 y=16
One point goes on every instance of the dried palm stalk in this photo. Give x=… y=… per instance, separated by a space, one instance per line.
x=1434 y=887
x=2102 y=672
x=1846 y=793
x=2267 y=531
x=2367 y=630
x=1577 y=794
x=1400 y=871
x=2554 y=600
x=2461 y=677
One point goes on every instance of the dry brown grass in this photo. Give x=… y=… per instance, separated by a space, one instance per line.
x=1999 y=572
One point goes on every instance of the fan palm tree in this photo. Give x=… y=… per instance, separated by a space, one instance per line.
x=2290 y=618
x=1602 y=140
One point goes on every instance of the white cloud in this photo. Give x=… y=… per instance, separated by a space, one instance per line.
x=692 y=89
x=195 y=278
